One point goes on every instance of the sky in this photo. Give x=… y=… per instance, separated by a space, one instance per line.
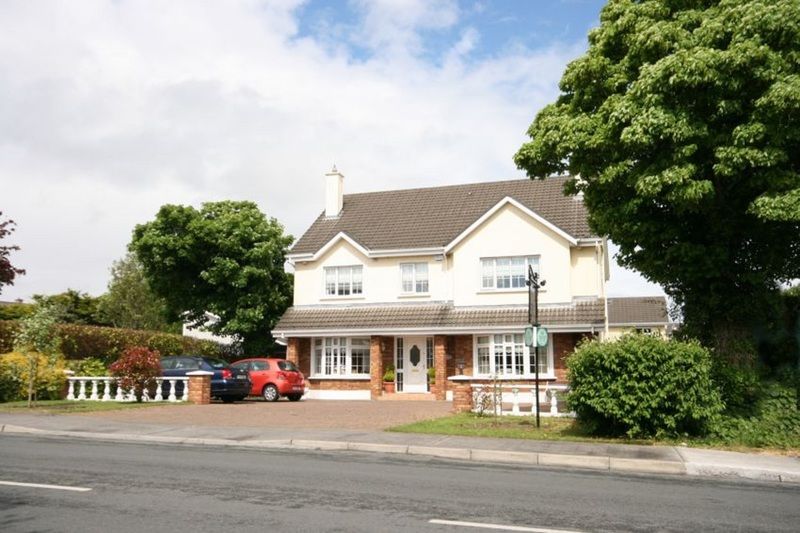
x=110 y=109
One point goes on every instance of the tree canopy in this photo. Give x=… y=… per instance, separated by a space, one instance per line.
x=227 y=258
x=7 y=271
x=73 y=307
x=130 y=302
x=681 y=127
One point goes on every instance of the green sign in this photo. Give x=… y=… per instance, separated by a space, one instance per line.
x=541 y=337
x=529 y=336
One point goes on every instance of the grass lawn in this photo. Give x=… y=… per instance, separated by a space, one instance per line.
x=71 y=406
x=563 y=429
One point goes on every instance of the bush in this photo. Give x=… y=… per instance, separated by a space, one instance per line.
x=738 y=386
x=91 y=366
x=137 y=369
x=14 y=373
x=79 y=341
x=643 y=386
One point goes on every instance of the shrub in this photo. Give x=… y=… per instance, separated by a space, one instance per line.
x=137 y=369
x=79 y=341
x=389 y=375
x=738 y=386
x=91 y=366
x=643 y=386
x=14 y=374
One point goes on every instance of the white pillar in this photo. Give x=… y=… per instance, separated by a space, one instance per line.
x=172 y=397
x=82 y=391
x=94 y=396
x=71 y=391
x=106 y=389
x=159 y=396
x=515 y=404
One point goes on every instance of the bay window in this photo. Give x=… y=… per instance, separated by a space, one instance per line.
x=340 y=356
x=506 y=273
x=506 y=355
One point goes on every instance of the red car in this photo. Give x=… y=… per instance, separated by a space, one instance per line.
x=273 y=378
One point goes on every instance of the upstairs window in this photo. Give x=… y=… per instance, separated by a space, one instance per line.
x=343 y=281
x=414 y=278
x=506 y=273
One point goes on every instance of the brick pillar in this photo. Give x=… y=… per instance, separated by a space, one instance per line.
x=200 y=387
x=293 y=351
x=440 y=366
x=462 y=396
x=375 y=367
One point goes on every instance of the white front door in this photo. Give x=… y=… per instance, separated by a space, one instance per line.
x=415 y=366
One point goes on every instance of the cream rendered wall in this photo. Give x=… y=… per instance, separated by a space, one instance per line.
x=510 y=232
x=585 y=272
x=381 y=278
x=615 y=333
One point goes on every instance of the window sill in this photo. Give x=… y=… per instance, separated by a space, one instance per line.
x=415 y=295
x=336 y=298
x=354 y=377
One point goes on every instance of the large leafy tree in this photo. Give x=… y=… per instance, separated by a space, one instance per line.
x=225 y=258
x=74 y=307
x=681 y=125
x=130 y=302
x=7 y=271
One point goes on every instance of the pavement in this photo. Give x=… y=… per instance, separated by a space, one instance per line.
x=182 y=426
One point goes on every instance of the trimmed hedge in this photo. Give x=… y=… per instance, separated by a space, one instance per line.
x=643 y=386
x=106 y=344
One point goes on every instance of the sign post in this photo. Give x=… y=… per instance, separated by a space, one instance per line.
x=534 y=284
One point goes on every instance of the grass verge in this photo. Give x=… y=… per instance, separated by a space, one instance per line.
x=70 y=406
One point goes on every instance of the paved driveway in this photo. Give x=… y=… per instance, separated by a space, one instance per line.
x=306 y=414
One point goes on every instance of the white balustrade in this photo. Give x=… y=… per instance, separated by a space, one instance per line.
x=514 y=399
x=121 y=395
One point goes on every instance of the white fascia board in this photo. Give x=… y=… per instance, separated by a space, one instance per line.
x=394 y=252
x=590 y=242
x=461 y=330
x=406 y=252
x=499 y=205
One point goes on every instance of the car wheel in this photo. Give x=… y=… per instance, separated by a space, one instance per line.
x=294 y=397
x=270 y=393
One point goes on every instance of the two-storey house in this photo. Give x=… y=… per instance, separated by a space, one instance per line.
x=435 y=278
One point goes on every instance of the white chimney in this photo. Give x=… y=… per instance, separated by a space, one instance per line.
x=334 y=192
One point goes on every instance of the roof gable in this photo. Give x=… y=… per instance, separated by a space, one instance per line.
x=434 y=217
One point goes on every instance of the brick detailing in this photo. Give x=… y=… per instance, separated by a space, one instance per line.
x=375 y=367
x=293 y=350
x=338 y=384
x=440 y=365
x=200 y=389
x=462 y=352
x=462 y=397
x=563 y=346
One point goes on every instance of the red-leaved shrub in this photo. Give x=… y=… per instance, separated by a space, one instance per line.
x=137 y=369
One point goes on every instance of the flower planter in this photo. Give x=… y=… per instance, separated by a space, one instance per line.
x=388 y=387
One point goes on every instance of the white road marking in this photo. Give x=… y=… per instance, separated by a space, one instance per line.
x=500 y=527
x=40 y=486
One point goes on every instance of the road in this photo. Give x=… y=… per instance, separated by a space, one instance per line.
x=141 y=488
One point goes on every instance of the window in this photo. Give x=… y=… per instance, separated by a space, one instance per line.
x=343 y=281
x=507 y=355
x=429 y=360
x=414 y=278
x=341 y=356
x=505 y=273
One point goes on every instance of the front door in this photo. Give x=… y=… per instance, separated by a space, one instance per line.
x=415 y=366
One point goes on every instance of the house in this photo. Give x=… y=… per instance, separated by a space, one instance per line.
x=435 y=278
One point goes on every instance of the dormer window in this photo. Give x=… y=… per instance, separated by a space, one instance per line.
x=414 y=278
x=506 y=273
x=344 y=281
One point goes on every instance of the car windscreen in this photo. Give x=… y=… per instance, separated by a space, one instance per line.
x=216 y=364
x=287 y=365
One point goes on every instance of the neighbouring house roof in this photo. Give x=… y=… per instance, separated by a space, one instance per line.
x=434 y=217
x=444 y=316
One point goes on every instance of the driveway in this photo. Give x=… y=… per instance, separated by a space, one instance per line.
x=306 y=414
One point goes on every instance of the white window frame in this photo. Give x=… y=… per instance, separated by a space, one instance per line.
x=339 y=275
x=532 y=260
x=415 y=278
x=338 y=361
x=527 y=355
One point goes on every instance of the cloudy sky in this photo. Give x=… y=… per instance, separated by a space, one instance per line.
x=109 y=109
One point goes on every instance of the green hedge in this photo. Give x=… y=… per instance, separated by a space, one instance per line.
x=643 y=386
x=106 y=344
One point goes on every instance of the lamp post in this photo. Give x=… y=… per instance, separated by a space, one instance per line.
x=534 y=284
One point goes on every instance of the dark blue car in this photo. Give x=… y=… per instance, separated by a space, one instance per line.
x=227 y=384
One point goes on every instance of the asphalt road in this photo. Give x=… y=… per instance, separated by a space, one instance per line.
x=152 y=488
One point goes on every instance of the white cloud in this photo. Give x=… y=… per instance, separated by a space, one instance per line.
x=109 y=109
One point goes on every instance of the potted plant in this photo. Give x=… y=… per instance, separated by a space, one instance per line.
x=388 y=380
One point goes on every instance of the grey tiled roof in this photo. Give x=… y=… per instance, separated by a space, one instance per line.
x=433 y=217
x=443 y=316
x=638 y=310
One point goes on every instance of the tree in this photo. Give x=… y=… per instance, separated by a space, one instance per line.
x=74 y=307
x=681 y=127
x=130 y=302
x=38 y=336
x=225 y=258
x=7 y=271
